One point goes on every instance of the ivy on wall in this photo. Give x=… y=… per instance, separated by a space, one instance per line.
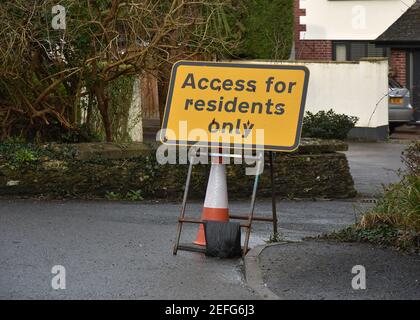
x=120 y=92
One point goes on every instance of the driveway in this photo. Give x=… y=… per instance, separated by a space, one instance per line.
x=374 y=164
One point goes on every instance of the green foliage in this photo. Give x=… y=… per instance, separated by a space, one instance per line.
x=225 y=24
x=381 y=234
x=132 y=195
x=327 y=125
x=120 y=92
x=113 y=196
x=400 y=204
x=17 y=153
x=268 y=29
x=23 y=156
x=395 y=219
x=275 y=237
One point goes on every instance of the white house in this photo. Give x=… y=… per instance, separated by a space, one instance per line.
x=347 y=30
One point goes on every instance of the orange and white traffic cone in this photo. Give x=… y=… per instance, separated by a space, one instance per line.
x=216 y=201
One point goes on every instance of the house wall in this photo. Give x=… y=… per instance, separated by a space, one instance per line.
x=348 y=20
x=308 y=49
x=353 y=88
x=319 y=22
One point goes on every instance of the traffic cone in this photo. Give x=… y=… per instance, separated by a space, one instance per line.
x=216 y=201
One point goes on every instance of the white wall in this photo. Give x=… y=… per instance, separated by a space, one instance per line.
x=350 y=20
x=354 y=88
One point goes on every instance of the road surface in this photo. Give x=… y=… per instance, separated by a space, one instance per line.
x=123 y=250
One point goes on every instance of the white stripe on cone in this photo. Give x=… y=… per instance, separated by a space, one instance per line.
x=216 y=194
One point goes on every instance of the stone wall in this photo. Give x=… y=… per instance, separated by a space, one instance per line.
x=94 y=170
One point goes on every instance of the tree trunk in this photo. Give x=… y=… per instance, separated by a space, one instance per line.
x=163 y=87
x=103 y=104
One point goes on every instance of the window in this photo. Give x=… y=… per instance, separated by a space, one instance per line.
x=340 y=52
x=356 y=50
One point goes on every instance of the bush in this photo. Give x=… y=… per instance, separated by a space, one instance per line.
x=327 y=125
x=399 y=206
x=268 y=29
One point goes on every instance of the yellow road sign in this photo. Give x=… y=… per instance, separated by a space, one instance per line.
x=259 y=106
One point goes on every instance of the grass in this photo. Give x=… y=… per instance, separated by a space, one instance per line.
x=274 y=238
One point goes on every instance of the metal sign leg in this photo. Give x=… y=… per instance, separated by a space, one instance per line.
x=252 y=207
x=184 y=205
x=273 y=194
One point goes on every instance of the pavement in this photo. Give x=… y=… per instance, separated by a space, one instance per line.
x=321 y=270
x=123 y=250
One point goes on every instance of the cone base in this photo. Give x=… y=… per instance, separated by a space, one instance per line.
x=211 y=214
x=201 y=238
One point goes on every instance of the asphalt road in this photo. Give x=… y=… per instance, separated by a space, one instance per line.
x=117 y=250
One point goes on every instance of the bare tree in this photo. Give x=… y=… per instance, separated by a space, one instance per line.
x=44 y=73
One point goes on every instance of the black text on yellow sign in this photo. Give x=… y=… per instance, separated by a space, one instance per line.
x=258 y=106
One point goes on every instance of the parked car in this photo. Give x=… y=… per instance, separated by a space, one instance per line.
x=400 y=109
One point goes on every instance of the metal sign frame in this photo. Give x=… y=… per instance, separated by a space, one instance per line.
x=249 y=218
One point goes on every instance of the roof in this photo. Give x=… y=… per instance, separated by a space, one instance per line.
x=404 y=31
